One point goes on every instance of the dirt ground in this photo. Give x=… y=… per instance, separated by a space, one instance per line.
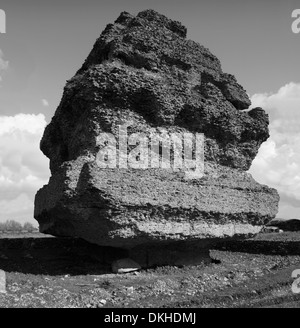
x=46 y=272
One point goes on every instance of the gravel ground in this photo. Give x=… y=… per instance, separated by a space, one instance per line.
x=68 y=277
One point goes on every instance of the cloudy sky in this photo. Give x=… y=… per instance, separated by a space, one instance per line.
x=47 y=41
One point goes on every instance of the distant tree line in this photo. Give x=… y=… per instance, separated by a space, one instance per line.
x=14 y=226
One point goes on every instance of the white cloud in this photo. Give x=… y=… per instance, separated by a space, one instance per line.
x=23 y=123
x=23 y=167
x=3 y=63
x=19 y=209
x=278 y=161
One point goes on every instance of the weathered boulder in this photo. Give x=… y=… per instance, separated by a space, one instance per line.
x=144 y=73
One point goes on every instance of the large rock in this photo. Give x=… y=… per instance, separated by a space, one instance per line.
x=143 y=72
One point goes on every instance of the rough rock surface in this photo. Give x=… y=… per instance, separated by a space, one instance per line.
x=144 y=72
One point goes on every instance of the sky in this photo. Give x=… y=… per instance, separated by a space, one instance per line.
x=46 y=42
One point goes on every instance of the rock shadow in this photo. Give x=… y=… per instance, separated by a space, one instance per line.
x=56 y=256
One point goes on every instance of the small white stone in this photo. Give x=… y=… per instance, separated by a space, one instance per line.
x=125 y=266
x=130 y=290
x=2 y=282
